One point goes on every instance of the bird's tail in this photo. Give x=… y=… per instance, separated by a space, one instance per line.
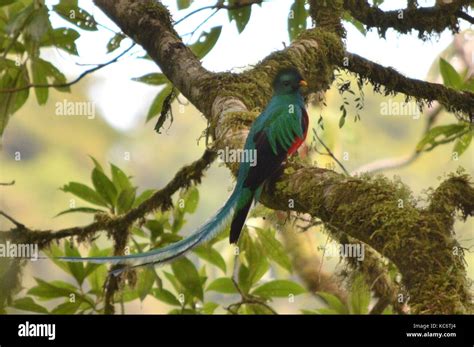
x=161 y=255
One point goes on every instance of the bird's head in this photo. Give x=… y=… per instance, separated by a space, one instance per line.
x=288 y=81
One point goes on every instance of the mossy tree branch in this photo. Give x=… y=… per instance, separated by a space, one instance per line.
x=395 y=82
x=115 y=225
x=426 y=20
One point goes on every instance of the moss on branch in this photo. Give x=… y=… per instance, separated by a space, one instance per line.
x=426 y=20
x=384 y=215
x=394 y=82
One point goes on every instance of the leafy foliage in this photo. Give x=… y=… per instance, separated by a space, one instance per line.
x=189 y=284
x=297 y=19
x=357 y=303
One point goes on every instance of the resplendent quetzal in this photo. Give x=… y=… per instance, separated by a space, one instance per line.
x=276 y=133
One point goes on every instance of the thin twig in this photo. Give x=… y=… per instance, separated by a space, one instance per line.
x=68 y=84
x=191 y=34
x=14 y=221
x=330 y=153
x=8 y=183
x=220 y=6
x=465 y=16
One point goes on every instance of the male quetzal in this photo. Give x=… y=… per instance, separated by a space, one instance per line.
x=276 y=133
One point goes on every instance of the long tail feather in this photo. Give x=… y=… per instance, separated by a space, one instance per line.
x=161 y=255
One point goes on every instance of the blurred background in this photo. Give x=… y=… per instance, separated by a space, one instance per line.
x=56 y=149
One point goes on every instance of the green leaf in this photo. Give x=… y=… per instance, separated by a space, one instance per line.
x=96 y=164
x=358 y=25
x=451 y=78
x=85 y=193
x=12 y=78
x=444 y=130
x=97 y=273
x=115 y=42
x=297 y=19
x=129 y=295
x=342 y=120
x=39 y=76
x=154 y=79
x=222 y=285
x=54 y=252
x=42 y=71
x=55 y=289
x=166 y=296
x=206 y=42
x=56 y=75
x=157 y=103
x=90 y=268
x=67 y=307
x=333 y=302
x=273 y=249
x=145 y=195
x=463 y=143
x=38 y=25
x=28 y=304
x=125 y=200
x=209 y=254
x=76 y=268
x=359 y=297
x=279 y=288
x=63 y=38
x=19 y=21
x=174 y=282
x=240 y=15
x=119 y=178
x=155 y=227
x=145 y=283
x=70 y=11
x=104 y=186
x=183 y=4
x=469 y=85
x=81 y=210
x=191 y=200
x=257 y=262
x=209 y=308
x=188 y=276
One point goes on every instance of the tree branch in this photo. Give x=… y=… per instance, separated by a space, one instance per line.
x=423 y=19
x=219 y=6
x=74 y=81
x=160 y=199
x=395 y=82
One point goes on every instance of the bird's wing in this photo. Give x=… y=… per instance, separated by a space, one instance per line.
x=272 y=142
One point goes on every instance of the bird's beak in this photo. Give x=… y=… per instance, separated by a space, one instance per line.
x=303 y=83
